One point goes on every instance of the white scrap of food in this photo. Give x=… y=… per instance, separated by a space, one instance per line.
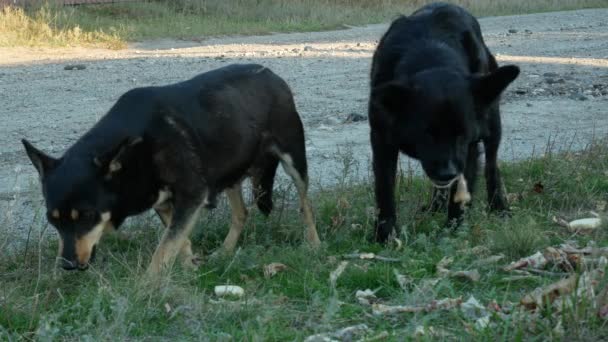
x=229 y=290
x=462 y=194
x=584 y=224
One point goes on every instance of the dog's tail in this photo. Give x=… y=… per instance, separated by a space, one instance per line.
x=263 y=183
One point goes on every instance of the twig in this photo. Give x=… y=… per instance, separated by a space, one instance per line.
x=369 y=256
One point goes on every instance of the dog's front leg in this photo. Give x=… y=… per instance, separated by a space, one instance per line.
x=496 y=197
x=456 y=210
x=175 y=238
x=385 y=158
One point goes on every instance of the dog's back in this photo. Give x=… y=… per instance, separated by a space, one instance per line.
x=438 y=33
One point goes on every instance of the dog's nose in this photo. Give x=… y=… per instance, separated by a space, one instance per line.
x=447 y=173
x=68 y=265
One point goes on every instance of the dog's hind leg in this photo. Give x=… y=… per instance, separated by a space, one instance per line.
x=296 y=169
x=174 y=240
x=239 y=216
x=262 y=182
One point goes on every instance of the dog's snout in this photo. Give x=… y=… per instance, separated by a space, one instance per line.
x=68 y=265
x=447 y=173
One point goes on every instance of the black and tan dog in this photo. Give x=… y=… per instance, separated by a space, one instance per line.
x=435 y=89
x=175 y=148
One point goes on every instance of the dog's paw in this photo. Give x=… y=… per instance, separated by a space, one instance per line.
x=192 y=262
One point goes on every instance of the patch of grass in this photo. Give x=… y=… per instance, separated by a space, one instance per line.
x=112 y=25
x=113 y=300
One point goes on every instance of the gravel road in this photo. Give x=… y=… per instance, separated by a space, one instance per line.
x=561 y=97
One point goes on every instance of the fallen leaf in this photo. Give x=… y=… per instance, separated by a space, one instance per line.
x=167 y=308
x=273 y=268
x=344 y=334
x=442 y=266
x=541 y=295
x=402 y=280
x=538 y=188
x=472 y=309
x=335 y=274
x=366 y=297
x=472 y=275
x=489 y=260
x=537 y=260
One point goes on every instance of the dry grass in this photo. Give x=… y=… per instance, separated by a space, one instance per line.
x=111 y=25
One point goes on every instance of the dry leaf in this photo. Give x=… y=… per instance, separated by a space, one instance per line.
x=489 y=260
x=539 y=188
x=442 y=266
x=537 y=260
x=335 y=274
x=344 y=334
x=402 y=280
x=542 y=295
x=167 y=308
x=472 y=275
x=366 y=297
x=273 y=268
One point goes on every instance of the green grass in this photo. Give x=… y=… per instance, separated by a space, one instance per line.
x=113 y=300
x=111 y=25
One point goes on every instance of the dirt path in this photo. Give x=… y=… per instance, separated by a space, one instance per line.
x=561 y=96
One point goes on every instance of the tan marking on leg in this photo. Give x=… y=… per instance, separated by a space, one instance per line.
x=85 y=243
x=171 y=244
x=239 y=216
x=163 y=196
x=165 y=213
x=301 y=185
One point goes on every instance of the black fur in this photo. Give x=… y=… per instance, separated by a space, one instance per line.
x=435 y=90
x=194 y=138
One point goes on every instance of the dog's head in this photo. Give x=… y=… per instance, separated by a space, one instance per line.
x=435 y=115
x=79 y=198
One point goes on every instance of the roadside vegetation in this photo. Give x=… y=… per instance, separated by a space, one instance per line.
x=113 y=25
x=440 y=284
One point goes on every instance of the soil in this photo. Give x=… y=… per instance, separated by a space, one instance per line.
x=52 y=96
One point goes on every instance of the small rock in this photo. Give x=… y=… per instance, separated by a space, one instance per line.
x=528 y=32
x=354 y=117
x=554 y=81
x=308 y=48
x=520 y=91
x=512 y=31
x=75 y=67
x=528 y=104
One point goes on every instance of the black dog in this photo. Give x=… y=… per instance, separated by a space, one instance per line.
x=175 y=148
x=435 y=89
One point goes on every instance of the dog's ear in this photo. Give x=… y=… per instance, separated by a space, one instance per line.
x=391 y=96
x=488 y=87
x=42 y=162
x=113 y=160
